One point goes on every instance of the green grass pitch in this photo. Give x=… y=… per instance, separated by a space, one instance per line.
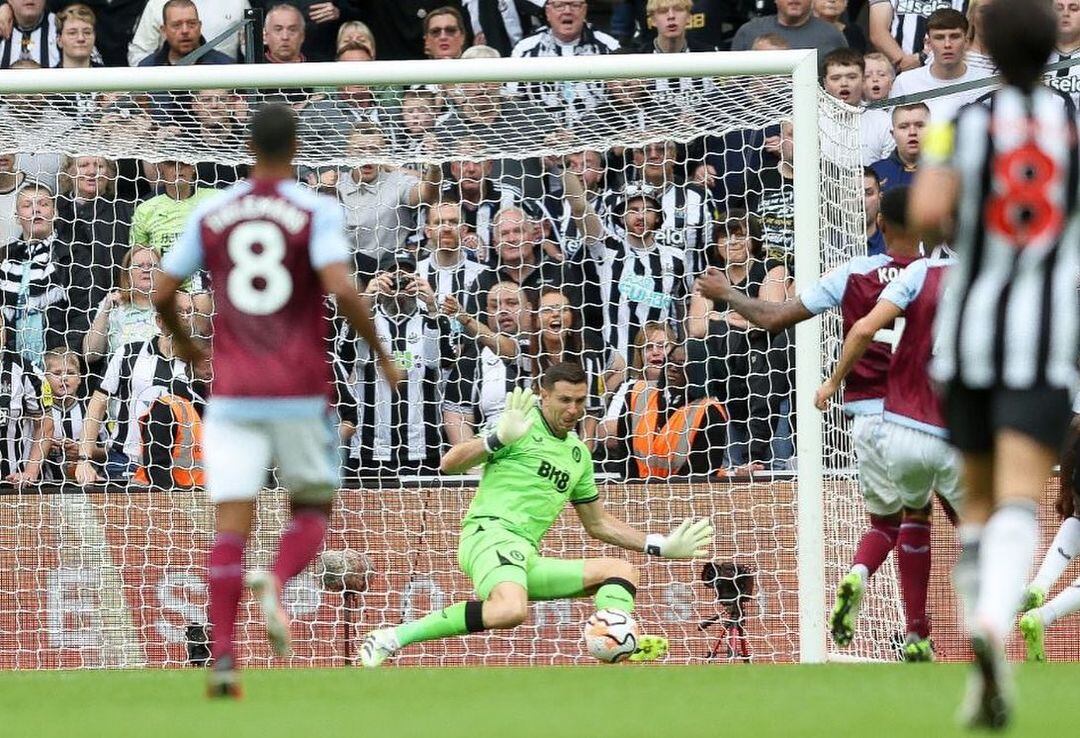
x=913 y=701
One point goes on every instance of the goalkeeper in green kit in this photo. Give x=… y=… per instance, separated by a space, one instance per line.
x=533 y=463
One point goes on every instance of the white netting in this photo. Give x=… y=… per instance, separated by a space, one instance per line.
x=114 y=579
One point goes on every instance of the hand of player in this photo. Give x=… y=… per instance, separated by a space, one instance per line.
x=7 y=21
x=825 y=393
x=514 y=421
x=85 y=473
x=190 y=351
x=687 y=541
x=713 y=284
x=390 y=370
x=323 y=12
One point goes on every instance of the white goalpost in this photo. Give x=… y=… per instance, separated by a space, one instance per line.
x=115 y=577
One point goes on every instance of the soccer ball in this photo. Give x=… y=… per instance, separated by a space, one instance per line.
x=611 y=635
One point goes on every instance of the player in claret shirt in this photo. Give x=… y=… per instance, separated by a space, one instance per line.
x=274 y=249
x=534 y=463
x=854 y=288
x=914 y=440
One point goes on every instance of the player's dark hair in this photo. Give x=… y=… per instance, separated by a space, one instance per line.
x=947 y=19
x=273 y=131
x=1019 y=35
x=894 y=205
x=869 y=172
x=844 y=57
x=567 y=371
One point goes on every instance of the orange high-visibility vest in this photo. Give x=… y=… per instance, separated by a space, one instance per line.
x=186 y=451
x=662 y=452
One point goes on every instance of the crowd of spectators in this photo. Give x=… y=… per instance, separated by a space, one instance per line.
x=481 y=270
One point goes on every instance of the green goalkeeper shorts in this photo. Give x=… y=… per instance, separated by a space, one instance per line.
x=490 y=555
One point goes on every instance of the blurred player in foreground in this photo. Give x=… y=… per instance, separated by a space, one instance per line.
x=853 y=287
x=913 y=440
x=1038 y=613
x=273 y=250
x=1006 y=335
x=534 y=463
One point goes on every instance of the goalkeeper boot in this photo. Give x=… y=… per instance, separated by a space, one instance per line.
x=378 y=647
x=267 y=592
x=223 y=681
x=1034 y=632
x=1033 y=597
x=917 y=648
x=849 y=596
x=989 y=698
x=650 y=648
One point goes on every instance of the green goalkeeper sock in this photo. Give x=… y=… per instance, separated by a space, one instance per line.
x=616 y=594
x=458 y=619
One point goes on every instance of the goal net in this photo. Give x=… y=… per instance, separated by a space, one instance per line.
x=569 y=217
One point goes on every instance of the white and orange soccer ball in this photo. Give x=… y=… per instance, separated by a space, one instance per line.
x=611 y=635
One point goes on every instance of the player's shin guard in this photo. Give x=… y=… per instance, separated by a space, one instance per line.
x=1008 y=546
x=226 y=572
x=913 y=561
x=300 y=543
x=616 y=594
x=876 y=543
x=458 y=619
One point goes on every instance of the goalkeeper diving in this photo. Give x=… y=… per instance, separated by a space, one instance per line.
x=533 y=463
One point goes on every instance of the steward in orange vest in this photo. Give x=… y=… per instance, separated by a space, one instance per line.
x=668 y=440
x=171 y=452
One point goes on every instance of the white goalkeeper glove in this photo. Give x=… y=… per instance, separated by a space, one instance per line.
x=514 y=421
x=687 y=541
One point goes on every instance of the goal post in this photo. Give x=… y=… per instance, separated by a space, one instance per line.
x=824 y=231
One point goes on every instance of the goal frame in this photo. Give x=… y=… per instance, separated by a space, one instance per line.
x=801 y=65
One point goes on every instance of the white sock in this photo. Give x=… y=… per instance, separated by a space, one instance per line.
x=1006 y=552
x=1065 y=546
x=965 y=574
x=1066 y=603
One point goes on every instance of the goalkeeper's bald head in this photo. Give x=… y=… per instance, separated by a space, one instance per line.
x=273 y=133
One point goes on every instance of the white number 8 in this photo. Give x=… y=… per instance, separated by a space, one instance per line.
x=265 y=265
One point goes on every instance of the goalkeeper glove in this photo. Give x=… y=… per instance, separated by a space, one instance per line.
x=514 y=421
x=687 y=541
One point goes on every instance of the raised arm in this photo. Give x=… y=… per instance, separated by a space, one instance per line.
x=881 y=18
x=855 y=345
x=586 y=219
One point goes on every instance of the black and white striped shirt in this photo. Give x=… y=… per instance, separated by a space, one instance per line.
x=20 y=405
x=29 y=276
x=405 y=425
x=38 y=44
x=639 y=286
x=478 y=385
x=1009 y=312
x=458 y=280
x=1067 y=80
x=909 y=20
x=67 y=424
x=137 y=374
x=686 y=222
x=568 y=100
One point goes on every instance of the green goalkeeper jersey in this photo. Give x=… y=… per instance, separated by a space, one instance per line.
x=527 y=483
x=159 y=221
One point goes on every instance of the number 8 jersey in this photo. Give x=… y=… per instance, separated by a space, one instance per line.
x=263 y=242
x=1008 y=316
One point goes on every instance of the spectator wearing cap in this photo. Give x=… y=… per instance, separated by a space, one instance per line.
x=399 y=430
x=214 y=15
x=795 y=22
x=75 y=25
x=182 y=33
x=33 y=35
x=567 y=34
x=502 y=25
x=684 y=204
x=641 y=280
x=381 y=201
x=444 y=33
